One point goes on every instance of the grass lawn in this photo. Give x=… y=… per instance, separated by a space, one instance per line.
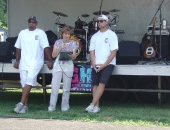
x=129 y=112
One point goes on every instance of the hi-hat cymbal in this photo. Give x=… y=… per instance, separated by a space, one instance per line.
x=60 y=14
x=101 y=12
x=85 y=15
x=114 y=10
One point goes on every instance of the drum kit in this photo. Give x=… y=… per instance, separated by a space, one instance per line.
x=83 y=30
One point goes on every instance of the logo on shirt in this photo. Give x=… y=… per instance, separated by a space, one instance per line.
x=106 y=40
x=36 y=37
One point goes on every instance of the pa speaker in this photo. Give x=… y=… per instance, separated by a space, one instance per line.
x=128 y=53
x=165 y=46
x=52 y=37
x=4 y=51
x=12 y=49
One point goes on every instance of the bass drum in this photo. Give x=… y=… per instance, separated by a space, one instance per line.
x=92 y=27
x=79 y=27
x=81 y=51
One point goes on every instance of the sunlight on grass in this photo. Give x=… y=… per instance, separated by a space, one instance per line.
x=128 y=113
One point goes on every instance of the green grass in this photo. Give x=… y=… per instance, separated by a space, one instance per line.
x=129 y=112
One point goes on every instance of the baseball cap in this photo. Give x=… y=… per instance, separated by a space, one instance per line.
x=32 y=18
x=103 y=17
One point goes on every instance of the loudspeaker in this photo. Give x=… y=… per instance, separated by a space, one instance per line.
x=165 y=46
x=12 y=49
x=128 y=53
x=51 y=37
x=4 y=51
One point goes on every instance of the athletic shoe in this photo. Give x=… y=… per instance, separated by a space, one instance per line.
x=96 y=109
x=24 y=110
x=51 y=108
x=18 y=107
x=89 y=108
x=65 y=109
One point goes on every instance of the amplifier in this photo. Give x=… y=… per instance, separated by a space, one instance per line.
x=157 y=28
x=157 y=32
x=119 y=32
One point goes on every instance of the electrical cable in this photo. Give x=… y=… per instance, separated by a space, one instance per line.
x=63 y=71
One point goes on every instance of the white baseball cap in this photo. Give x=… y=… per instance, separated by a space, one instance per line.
x=103 y=17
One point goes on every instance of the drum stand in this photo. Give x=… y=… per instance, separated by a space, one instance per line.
x=86 y=29
x=57 y=22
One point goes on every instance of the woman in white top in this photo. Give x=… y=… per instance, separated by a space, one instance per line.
x=62 y=69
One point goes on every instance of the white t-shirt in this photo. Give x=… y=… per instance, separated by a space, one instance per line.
x=32 y=44
x=103 y=43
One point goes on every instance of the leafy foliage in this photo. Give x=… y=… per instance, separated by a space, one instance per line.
x=3 y=13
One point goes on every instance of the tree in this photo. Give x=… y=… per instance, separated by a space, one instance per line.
x=3 y=13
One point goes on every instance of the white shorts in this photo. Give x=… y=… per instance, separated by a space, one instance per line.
x=29 y=77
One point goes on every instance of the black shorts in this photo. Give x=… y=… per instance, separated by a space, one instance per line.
x=102 y=76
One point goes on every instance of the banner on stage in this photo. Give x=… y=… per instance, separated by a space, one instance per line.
x=81 y=81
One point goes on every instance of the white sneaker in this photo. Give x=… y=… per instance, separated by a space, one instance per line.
x=65 y=109
x=96 y=109
x=23 y=110
x=18 y=107
x=51 y=108
x=90 y=108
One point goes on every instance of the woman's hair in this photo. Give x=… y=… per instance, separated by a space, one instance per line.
x=66 y=29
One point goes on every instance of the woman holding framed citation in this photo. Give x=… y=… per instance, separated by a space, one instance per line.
x=64 y=51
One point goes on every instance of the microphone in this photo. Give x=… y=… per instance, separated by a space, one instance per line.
x=64 y=41
x=114 y=18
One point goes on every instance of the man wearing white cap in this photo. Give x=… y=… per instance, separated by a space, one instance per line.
x=103 y=48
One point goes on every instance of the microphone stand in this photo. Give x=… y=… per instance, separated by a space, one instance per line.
x=101 y=7
x=57 y=21
x=160 y=39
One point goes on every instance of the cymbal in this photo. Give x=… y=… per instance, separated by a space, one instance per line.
x=101 y=12
x=114 y=10
x=85 y=15
x=59 y=13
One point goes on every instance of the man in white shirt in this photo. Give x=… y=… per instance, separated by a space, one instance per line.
x=103 y=48
x=30 y=47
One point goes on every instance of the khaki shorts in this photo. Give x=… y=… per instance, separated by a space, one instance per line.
x=29 y=77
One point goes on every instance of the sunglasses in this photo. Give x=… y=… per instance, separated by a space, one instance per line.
x=31 y=22
x=101 y=21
